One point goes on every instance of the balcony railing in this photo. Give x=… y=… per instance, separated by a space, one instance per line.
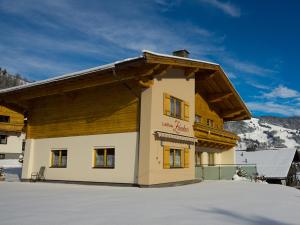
x=210 y=135
x=224 y=171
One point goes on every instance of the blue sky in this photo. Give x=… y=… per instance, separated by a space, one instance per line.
x=256 y=42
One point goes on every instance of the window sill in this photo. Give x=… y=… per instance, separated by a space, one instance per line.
x=177 y=167
x=57 y=167
x=103 y=167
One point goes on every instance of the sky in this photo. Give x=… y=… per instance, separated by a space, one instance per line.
x=256 y=42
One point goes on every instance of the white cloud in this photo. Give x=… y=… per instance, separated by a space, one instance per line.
x=247 y=67
x=274 y=108
x=282 y=92
x=226 y=7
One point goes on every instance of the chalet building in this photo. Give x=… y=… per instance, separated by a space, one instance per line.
x=141 y=121
x=11 y=133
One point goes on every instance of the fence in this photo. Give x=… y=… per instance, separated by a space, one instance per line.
x=223 y=171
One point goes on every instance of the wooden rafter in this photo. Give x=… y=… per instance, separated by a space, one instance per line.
x=190 y=72
x=218 y=97
x=231 y=113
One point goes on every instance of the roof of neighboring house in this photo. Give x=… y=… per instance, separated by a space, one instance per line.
x=210 y=80
x=273 y=163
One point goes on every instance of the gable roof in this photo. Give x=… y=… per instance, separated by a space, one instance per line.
x=218 y=88
x=270 y=163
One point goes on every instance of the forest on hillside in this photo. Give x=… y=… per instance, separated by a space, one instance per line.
x=10 y=80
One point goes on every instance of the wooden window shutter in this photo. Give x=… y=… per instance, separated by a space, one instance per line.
x=166 y=157
x=182 y=163
x=186 y=158
x=167 y=104
x=186 y=111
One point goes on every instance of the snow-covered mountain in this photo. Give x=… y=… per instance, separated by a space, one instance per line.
x=267 y=132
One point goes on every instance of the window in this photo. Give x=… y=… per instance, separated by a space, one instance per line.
x=2 y=156
x=198 y=119
x=211 y=158
x=59 y=158
x=175 y=107
x=210 y=123
x=176 y=158
x=3 y=139
x=4 y=119
x=104 y=158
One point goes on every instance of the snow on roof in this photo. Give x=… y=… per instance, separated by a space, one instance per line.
x=273 y=163
x=94 y=69
x=68 y=75
x=178 y=57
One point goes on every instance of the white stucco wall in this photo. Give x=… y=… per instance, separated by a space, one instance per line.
x=80 y=158
x=14 y=144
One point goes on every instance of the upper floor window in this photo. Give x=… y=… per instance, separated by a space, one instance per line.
x=198 y=119
x=3 y=139
x=59 y=158
x=210 y=123
x=4 y=119
x=175 y=107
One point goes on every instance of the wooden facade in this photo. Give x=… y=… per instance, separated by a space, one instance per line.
x=15 y=122
x=98 y=110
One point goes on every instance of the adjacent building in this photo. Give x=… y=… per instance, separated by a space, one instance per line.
x=279 y=166
x=141 y=121
x=11 y=133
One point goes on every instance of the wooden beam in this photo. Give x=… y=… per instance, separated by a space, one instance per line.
x=231 y=113
x=205 y=77
x=146 y=84
x=190 y=72
x=218 y=97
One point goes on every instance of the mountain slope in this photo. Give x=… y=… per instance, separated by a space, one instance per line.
x=267 y=132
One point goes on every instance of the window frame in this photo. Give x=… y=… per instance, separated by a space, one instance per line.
x=5 y=139
x=60 y=155
x=173 y=113
x=181 y=151
x=105 y=150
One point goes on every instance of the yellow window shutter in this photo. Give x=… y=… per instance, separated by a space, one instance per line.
x=186 y=111
x=166 y=157
x=167 y=104
x=186 y=157
x=182 y=163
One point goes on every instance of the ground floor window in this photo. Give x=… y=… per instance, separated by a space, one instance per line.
x=3 y=139
x=59 y=158
x=104 y=158
x=198 y=158
x=2 y=156
x=211 y=158
x=176 y=157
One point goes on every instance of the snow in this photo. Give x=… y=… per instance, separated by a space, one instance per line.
x=10 y=163
x=270 y=163
x=259 y=135
x=217 y=202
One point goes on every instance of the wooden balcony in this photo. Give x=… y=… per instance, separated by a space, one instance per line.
x=11 y=127
x=214 y=138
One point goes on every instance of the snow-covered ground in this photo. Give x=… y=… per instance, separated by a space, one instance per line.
x=208 y=203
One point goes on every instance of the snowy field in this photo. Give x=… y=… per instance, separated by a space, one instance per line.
x=207 y=203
